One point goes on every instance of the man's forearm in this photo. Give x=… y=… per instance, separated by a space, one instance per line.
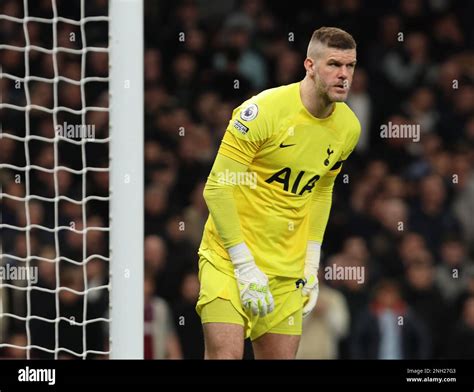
x=321 y=208
x=219 y=197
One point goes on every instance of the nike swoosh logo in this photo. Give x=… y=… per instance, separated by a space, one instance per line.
x=286 y=145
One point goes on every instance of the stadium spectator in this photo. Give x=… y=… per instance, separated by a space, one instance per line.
x=326 y=326
x=388 y=328
x=160 y=340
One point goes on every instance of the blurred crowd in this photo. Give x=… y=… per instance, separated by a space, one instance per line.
x=403 y=210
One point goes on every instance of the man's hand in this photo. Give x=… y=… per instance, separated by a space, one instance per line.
x=253 y=284
x=311 y=267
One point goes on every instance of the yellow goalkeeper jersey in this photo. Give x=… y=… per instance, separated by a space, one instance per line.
x=287 y=150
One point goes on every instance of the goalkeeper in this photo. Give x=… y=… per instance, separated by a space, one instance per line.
x=269 y=197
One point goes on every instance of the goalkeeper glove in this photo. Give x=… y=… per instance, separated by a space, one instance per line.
x=252 y=282
x=311 y=287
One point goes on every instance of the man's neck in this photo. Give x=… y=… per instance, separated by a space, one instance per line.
x=316 y=105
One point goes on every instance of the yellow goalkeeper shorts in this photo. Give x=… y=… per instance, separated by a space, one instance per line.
x=219 y=302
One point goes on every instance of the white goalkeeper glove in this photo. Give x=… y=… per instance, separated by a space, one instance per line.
x=311 y=266
x=253 y=285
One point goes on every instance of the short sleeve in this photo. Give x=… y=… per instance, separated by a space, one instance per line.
x=248 y=129
x=352 y=141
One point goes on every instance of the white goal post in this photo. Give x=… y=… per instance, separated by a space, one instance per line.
x=126 y=177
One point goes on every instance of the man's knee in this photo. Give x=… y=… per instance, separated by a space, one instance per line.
x=276 y=346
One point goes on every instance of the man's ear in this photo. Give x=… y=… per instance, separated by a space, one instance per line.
x=309 y=66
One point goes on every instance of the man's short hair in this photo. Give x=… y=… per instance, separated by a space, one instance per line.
x=332 y=37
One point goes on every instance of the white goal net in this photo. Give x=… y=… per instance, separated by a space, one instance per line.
x=56 y=160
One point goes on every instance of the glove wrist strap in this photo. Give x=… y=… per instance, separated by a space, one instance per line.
x=313 y=253
x=240 y=254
